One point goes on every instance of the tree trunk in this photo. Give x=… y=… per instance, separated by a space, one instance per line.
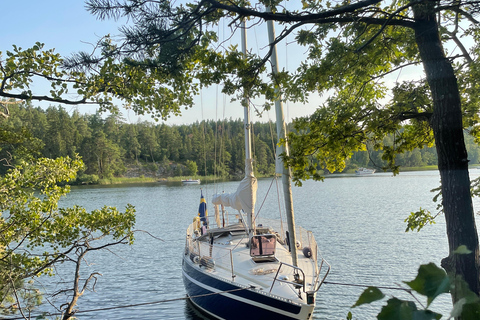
x=446 y=123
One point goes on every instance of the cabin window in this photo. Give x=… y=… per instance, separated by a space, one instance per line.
x=263 y=245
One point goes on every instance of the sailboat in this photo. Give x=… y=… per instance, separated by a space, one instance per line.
x=246 y=267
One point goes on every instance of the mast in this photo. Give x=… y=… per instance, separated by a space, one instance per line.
x=248 y=138
x=282 y=134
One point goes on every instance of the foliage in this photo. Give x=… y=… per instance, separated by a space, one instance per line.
x=417 y=220
x=192 y=168
x=55 y=133
x=430 y=282
x=37 y=234
x=20 y=67
x=356 y=116
x=154 y=91
x=108 y=146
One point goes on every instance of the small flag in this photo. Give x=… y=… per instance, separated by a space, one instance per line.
x=202 y=210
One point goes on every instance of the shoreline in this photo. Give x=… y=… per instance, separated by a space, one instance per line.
x=134 y=180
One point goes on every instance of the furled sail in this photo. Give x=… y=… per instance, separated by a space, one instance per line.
x=245 y=196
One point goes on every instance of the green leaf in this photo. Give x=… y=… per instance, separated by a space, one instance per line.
x=397 y=309
x=466 y=299
x=426 y=315
x=370 y=295
x=417 y=220
x=431 y=281
x=458 y=308
x=471 y=311
x=462 y=250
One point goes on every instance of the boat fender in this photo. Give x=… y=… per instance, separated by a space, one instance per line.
x=307 y=252
x=194 y=257
x=196 y=223
x=298 y=244
x=207 y=262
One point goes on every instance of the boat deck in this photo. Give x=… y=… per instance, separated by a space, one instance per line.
x=225 y=253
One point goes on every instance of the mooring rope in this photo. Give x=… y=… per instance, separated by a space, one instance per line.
x=133 y=305
x=200 y=296
x=365 y=286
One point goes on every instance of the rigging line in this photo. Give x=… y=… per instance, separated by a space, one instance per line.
x=216 y=135
x=204 y=144
x=222 y=156
x=280 y=208
x=253 y=141
x=215 y=172
x=138 y=304
x=365 y=286
x=222 y=153
x=264 y=199
x=286 y=68
x=274 y=147
x=217 y=166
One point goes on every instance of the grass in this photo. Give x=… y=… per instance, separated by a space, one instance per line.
x=124 y=180
x=211 y=178
x=423 y=168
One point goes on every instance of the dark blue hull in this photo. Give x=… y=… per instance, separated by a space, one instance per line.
x=235 y=301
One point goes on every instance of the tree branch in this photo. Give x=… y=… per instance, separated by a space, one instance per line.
x=6 y=111
x=288 y=17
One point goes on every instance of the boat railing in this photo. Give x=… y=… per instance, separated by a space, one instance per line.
x=320 y=279
x=225 y=220
x=298 y=282
x=308 y=245
x=208 y=255
x=223 y=256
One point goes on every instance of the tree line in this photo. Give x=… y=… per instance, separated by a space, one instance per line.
x=108 y=146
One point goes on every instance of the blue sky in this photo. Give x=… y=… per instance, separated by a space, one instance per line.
x=67 y=27
x=62 y=25
x=59 y=24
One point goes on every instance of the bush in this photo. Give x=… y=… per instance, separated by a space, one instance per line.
x=87 y=179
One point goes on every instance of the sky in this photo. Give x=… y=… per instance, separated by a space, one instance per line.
x=67 y=27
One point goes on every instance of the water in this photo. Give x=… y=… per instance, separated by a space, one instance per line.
x=358 y=223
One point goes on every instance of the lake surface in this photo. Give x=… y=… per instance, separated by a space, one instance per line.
x=358 y=222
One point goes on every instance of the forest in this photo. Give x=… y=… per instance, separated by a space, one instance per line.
x=111 y=147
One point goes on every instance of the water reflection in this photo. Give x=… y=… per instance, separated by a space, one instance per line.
x=192 y=313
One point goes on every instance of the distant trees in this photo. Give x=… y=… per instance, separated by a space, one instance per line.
x=108 y=146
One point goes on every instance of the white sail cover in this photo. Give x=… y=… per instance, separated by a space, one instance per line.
x=245 y=196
